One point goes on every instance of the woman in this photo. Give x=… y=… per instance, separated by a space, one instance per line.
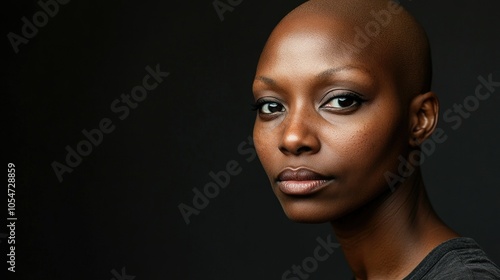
x=343 y=95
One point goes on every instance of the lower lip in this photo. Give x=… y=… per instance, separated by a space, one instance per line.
x=302 y=187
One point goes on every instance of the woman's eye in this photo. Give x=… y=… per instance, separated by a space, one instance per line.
x=342 y=102
x=271 y=107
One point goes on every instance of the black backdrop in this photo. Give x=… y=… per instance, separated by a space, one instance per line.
x=116 y=214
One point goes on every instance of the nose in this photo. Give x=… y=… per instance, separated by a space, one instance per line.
x=300 y=135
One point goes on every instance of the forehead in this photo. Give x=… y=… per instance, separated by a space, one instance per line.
x=310 y=32
x=299 y=50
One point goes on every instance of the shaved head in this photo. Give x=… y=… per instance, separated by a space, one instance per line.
x=377 y=31
x=342 y=89
x=343 y=98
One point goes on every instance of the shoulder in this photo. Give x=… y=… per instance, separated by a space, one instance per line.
x=459 y=258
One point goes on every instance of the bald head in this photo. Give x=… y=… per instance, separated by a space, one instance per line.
x=342 y=88
x=378 y=32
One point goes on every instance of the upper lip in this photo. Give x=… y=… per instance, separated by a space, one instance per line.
x=300 y=174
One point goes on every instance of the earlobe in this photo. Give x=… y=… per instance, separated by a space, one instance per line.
x=424 y=114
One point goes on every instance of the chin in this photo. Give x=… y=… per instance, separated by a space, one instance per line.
x=309 y=212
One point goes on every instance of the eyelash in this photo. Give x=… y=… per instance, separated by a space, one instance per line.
x=256 y=105
x=259 y=103
x=356 y=97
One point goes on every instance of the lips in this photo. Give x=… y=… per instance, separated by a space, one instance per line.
x=301 y=181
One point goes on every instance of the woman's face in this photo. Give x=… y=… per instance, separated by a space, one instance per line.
x=329 y=123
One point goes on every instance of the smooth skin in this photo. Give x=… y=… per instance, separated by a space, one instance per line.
x=349 y=115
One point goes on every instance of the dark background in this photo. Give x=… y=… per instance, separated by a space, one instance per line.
x=119 y=207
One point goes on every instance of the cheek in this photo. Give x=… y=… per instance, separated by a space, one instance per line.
x=368 y=146
x=265 y=146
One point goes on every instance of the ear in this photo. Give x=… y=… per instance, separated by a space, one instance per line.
x=424 y=114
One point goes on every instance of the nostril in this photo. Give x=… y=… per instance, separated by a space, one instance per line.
x=303 y=149
x=295 y=151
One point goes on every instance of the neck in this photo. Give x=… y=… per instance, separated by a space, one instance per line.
x=389 y=237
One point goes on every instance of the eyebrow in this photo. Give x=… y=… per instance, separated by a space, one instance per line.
x=321 y=75
x=266 y=80
x=334 y=70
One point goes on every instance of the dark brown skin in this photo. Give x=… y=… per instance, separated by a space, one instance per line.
x=348 y=116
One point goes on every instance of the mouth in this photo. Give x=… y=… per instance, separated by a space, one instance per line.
x=301 y=181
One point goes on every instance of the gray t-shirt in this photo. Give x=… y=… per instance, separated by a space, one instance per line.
x=458 y=258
